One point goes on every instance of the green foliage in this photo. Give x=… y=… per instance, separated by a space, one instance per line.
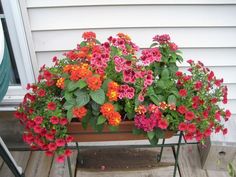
x=98 y=96
x=82 y=97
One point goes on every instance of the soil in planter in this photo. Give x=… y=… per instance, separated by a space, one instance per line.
x=116 y=159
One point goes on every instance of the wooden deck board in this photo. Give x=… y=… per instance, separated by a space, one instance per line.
x=61 y=169
x=211 y=173
x=21 y=158
x=189 y=162
x=39 y=165
x=1 y=163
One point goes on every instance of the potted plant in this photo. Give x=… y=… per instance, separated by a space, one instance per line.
x=113 y=87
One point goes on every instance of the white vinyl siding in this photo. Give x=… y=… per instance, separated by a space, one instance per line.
x=204 y=29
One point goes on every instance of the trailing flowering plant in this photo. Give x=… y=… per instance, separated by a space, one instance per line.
x=107 y=83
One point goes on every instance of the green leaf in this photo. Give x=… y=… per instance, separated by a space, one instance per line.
x=114 y=128
x=95 y=106
x=153 y=44
x=68 y=104
x=114 y=51
x=105 y=84
x=98 y=96
x=101 y=120
x=171 y=99
x=153 y=141
x=68 y=96
x=150 y=91
x=72 y=86
x=165 y=74
x=151 y=135
x=93 y=122
x=159 y=133
x=81 y=84
x=154 y=99
x=69 y=114
x=85 y=120
x=130 y=115
x=99 y=128
x=82 y=98
x=161 y=84
x=137 y=131
x=83 y=44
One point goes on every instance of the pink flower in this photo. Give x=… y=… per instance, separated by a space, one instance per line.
x=49 y=153
x=140 y=97
x=179 y=74
x=60 y=142
x=60 y=159
x=225 y=131
x=129 y=76
x=190 y=61
x=162 y=39
x=41 y=92
x=51 y=106
x=144 y=123
x=173 y=46
x=227 y=114
x=54 y=120
x=207 y=132
x=150 y=55
x=217 y=115
x=126 y=91
x=38 y=120
x=69 y=139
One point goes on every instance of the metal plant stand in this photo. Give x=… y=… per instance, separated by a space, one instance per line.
x=175 y=148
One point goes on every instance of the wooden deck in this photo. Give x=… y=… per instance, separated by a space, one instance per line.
x=36 y=164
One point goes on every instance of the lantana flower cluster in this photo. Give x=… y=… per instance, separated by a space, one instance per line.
x=103 y=84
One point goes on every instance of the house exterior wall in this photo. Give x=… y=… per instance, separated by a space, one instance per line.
x=204 y=29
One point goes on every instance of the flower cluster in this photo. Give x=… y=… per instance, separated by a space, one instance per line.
x=102 y=84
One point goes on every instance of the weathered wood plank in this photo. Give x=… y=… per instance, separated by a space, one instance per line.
x=21 y=158
x=156 y=172
x=1 y=163
x=189 y=162
x=39 y=165
x=211 y=173
x=61 y=169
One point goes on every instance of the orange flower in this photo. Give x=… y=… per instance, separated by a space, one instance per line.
x=112 y=91
x=82 y=72
x=79 y=112
x=60 y=83
x=114 y=119
x=67 y=68
x=94 y=82
x=141 y=109
x=107 y=109
x=163 y=105
x=124 y=36
x=172 y=106
x=89 y=35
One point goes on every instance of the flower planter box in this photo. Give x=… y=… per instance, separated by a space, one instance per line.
x=90 y=135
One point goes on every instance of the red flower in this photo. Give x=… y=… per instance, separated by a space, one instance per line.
x=188 y=136
x=182 y=126
x=163 y=124
x=41 y=92
x=190 y=61
x=89 y=35
x=54 y=120
x=69 y=139
x=191 y=128
x=49 y=136
x=189 y=115
x=68 y=152
x=217 y=115
x=199 y=136
x=207 y=132
x=60 y=142
x=225 y=131
x=52 y=146
x=182 y=109
x=63 y=121
x=49 y=153
x=47 y=75
x=198 y=85
x=60 y=159
x=205 y=114
x=37 y=129
x=227 y=114
x=179 y=74
x=38 y=120
x=183 y=92
x=51 y=106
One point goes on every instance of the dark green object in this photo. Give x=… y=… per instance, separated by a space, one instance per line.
x=4 y=73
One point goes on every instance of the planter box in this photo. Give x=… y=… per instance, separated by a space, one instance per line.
x=124 y=133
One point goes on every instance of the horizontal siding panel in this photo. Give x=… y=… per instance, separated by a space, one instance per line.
x=184 y=37
x=209 y=56
x=131 y=16
x=50 y=3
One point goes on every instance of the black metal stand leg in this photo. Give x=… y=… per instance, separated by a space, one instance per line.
x=79 y=157
x=159 y=156
x=69 y=166
x=9 y=162
x=176 y=154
